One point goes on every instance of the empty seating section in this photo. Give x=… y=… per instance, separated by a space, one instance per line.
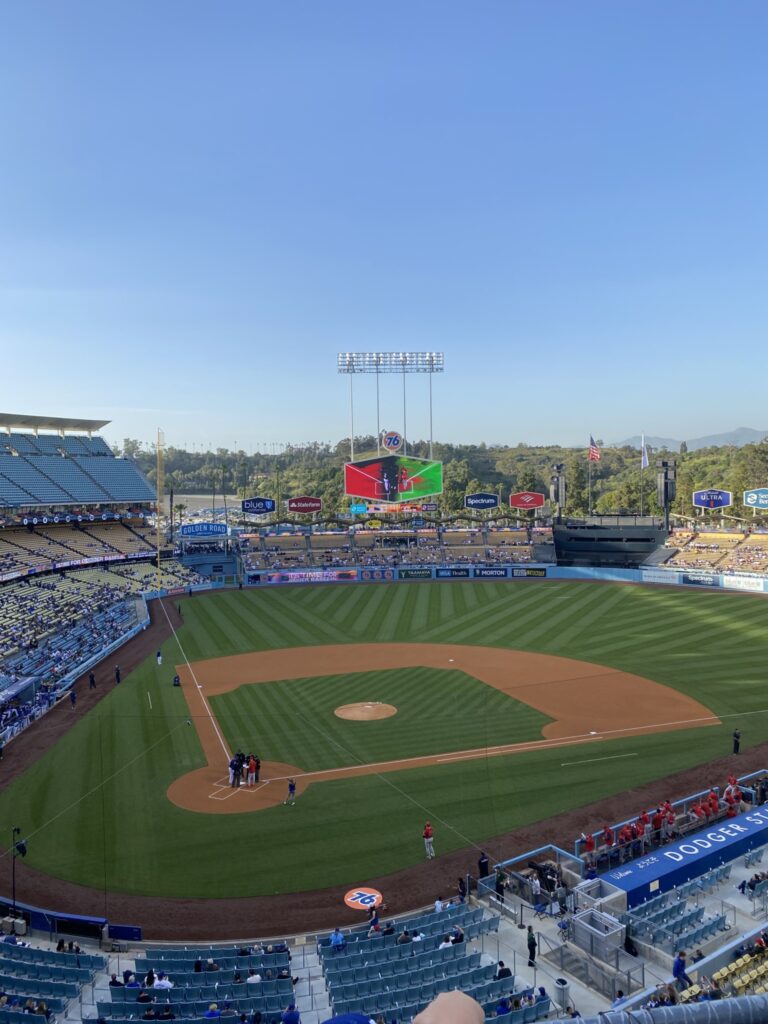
x=20 y=471
x=374 y=975
x=43 y=977
x=668 y=922
x=49 y=469
x=97 y=538
x=139 y=577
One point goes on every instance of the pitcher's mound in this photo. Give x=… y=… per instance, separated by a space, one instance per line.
x=367 y=711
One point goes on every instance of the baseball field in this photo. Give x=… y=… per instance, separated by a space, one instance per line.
x=481 y=706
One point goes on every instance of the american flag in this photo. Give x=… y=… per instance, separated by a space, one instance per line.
x=594 y=451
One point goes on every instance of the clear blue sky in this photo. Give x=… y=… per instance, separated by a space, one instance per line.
x=202 y=203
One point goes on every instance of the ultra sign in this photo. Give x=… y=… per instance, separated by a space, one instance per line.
x=712 y=498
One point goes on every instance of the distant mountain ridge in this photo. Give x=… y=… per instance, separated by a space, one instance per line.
x=737 y=438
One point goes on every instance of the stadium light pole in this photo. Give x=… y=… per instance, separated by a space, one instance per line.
x=390 y=362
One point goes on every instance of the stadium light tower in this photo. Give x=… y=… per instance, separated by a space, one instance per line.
x=388 y=362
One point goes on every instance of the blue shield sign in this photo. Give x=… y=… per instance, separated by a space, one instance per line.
x=358 y=510
x=480 y=500
x=712 y=498
x=756 y=498
x=259 y=506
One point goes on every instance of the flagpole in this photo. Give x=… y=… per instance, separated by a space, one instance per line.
x=589 y=491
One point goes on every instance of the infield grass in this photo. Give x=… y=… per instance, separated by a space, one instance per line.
x=94 y=806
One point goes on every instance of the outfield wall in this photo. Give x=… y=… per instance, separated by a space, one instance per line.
x=664 y=577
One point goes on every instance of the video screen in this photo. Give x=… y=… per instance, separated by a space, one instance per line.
x=393 y=478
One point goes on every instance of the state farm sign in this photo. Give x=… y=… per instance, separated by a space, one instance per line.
x=305 y=503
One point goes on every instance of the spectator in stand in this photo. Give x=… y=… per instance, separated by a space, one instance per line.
x=679 y=973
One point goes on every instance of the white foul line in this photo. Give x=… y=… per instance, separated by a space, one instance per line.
x=208 y=711
x=611 y=757
x=150 y=700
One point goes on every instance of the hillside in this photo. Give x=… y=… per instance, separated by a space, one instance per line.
x=317 y=469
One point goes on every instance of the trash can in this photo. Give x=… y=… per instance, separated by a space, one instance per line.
x=562 y=993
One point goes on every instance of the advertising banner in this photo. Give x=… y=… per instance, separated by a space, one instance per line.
x=393 y=478
x=527 y=499
x=530 y=573
x=455 y=574
x=414 y=574
x=305 y=503
x=258 y=506
x=756 y=498
x=701 y=579
x=310 y=576
x=358 y=510
x=481 y=500
x=712 y=498
x=203 y=530
x=749 y=583
x=429 y=506
x=497 y=573
x=667 y=577
x=377 y=575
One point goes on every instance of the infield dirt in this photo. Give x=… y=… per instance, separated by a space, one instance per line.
x=585 y=702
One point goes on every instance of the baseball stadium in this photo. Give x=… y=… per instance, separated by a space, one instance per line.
x=520 y=740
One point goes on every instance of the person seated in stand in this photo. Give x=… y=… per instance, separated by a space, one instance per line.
x=291 y=1015
x=503 y=1007
x=446 y=943
x=541 y=995
x=503 y=971
x=143 y=997
x=211 y=965
x=338 y=942
x=404 y=937
x=254 y=978
x=457 y=934
x=167 y=1013
x=114 y=982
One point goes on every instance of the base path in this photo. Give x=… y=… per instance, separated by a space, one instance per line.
x=587 y=702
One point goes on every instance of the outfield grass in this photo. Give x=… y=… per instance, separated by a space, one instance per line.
x=94 y=806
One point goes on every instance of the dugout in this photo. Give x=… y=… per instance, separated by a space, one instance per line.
x=679 y=862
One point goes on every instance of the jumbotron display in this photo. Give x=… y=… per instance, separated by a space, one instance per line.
x=394 y=478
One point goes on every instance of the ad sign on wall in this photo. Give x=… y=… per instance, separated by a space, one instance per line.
x=712 y=497
x=756 y=498
x=305 y=503
x=203 y=530
x=258 y=506
x=527 y=499
x=481 y=500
